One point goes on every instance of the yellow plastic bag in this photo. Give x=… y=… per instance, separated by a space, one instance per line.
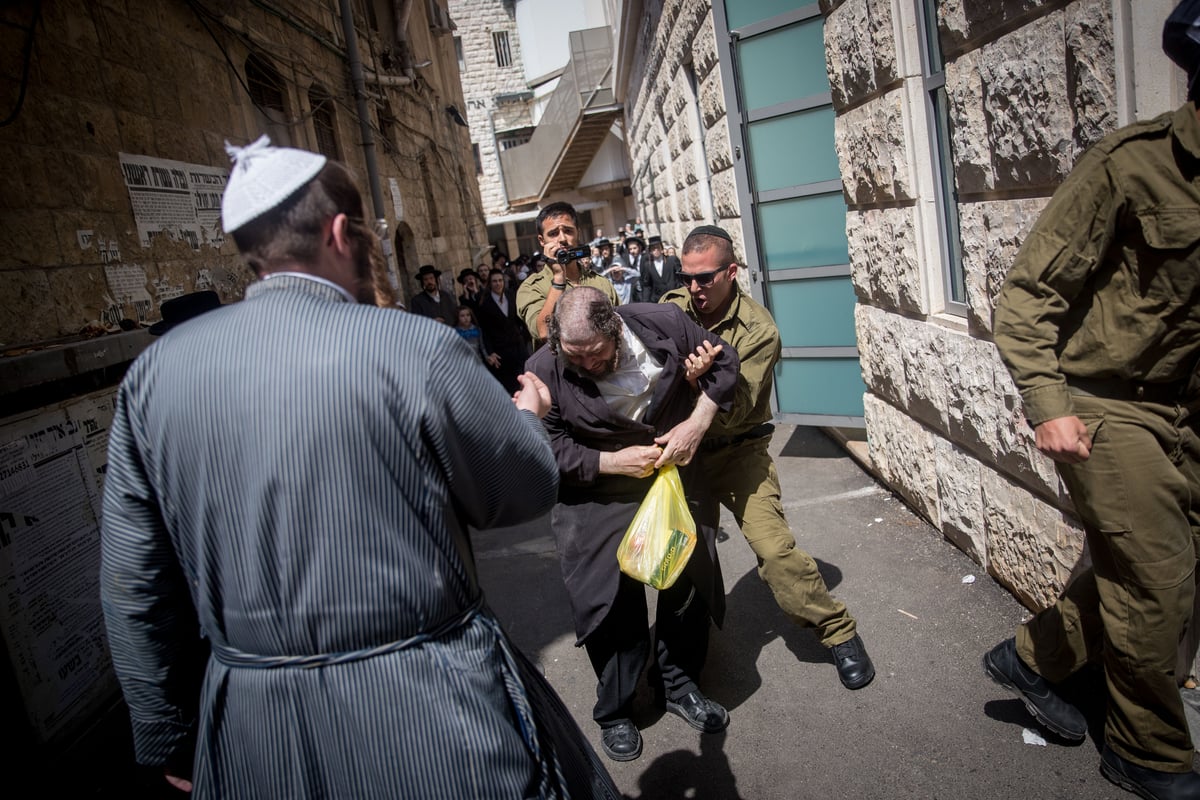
x=662 y=536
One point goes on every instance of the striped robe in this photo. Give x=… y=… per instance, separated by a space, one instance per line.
x=292 y=476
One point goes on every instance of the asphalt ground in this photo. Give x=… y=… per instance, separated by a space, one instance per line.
x=931 y=725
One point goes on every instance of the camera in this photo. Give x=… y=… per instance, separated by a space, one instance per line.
x=568 y=254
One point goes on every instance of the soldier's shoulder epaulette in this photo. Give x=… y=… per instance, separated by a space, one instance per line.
x=1150 y=129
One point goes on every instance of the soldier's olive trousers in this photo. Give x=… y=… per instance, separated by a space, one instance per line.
x=742 y=477
x=1138 y=495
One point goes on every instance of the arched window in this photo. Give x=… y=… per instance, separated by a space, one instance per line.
x=269 y=98
x=324 y=125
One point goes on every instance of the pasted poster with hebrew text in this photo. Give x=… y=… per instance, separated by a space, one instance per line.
x=52 y=465
x=175 y=199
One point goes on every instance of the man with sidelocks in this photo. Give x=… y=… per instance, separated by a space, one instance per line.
x=633 y=389
x=738 y=471
x=295 y=474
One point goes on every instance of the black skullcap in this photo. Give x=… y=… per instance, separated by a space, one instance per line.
x=720 y=233
x=1181 y=42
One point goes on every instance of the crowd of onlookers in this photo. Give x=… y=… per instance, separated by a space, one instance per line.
x=483 y=309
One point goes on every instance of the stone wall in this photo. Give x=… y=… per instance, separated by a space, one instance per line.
x=167 y=80
x=678 y=164
x=485 y=86
x=1029 y=86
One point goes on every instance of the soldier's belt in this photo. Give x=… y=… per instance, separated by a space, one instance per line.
x=1133 y=391
x=717 y=442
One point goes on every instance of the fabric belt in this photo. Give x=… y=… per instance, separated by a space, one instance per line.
x=232 y=657
x=552 y=782
x=717 y=442
x=1135 y=391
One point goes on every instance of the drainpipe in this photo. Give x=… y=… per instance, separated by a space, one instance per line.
x=368 y=138
x=401 y=9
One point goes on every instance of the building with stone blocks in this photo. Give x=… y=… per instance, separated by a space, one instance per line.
x=116 y=116
x=929 y=142
x=671 y=89
x=542 y=124
x=171 y=82
x=499 y=101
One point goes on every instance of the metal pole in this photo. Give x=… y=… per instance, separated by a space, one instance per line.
x=368 y=138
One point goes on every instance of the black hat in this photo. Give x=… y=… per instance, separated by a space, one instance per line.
x=462 y=276
x=602 y=243
x=1181 y=42
x=428 y=269
x=638 y=239
x=180 y=309
x=655 y=240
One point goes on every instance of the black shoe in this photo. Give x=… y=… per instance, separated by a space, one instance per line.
x=853 y=664
x=1148 y=783
x=1004 y=666
x=621 y=741
x=701 y=713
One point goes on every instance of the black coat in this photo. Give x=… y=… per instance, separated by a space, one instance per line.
x=651 y=286
x=594 y=510
x=500 y=330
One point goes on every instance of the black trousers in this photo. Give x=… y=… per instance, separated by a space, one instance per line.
x=620 y=647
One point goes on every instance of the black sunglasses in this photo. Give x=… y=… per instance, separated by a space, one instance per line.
x=702 y=278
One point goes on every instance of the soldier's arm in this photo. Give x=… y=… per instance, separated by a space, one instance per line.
x=1069 y=241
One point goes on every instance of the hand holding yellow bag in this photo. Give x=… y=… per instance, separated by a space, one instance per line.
x=662 y=536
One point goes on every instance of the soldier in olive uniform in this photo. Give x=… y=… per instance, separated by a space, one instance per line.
x=738 y=471
x=1099 y=324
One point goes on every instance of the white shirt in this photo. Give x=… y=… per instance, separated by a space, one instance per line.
x=630 y=387
x=502 y=301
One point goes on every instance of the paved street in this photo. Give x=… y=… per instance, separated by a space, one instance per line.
x=930 y=726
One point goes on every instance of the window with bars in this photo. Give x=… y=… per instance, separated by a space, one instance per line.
x=503 y=51
x=513 y=138
x=324 y=125
x=270 y=101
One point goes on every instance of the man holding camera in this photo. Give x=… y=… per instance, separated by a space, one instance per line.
x=558 y=234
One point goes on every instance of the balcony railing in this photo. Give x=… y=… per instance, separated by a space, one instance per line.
x=577 y=117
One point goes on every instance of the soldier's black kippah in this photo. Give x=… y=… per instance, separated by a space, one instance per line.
x=711 y=230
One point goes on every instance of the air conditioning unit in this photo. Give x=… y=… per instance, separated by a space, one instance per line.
x=439 y=19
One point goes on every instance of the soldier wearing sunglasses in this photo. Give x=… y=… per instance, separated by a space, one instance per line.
x=738 y=471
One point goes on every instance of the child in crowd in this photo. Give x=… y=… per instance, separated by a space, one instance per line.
x=471 y=334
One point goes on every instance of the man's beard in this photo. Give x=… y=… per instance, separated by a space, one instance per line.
x=608 y=368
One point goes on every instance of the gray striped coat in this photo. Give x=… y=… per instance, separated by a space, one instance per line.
x=293 y=475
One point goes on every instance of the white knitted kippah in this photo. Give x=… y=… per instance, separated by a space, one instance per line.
x=262 y=177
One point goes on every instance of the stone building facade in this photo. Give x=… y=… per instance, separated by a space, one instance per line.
x=171 y=82
x=499 y=103
x=679 y=148
x=1028 y=86
x=519 y=71
x=952 y=129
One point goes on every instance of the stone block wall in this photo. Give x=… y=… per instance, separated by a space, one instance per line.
x=1029 y=86
x=167 y=81
x=483 y=82
x=678 y=138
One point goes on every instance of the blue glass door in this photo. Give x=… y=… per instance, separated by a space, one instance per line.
x=793 y=210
